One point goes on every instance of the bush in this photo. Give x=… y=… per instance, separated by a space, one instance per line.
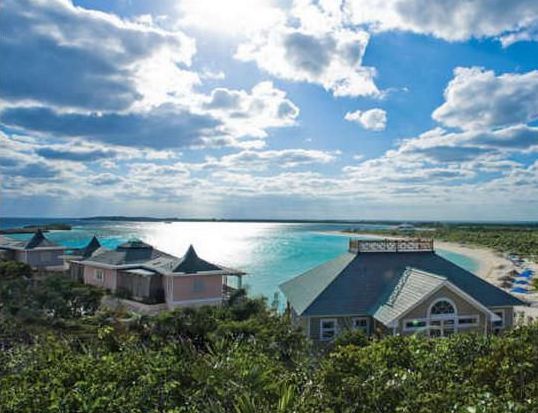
x=14 y=269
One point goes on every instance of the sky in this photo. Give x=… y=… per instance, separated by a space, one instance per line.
x=292 y=109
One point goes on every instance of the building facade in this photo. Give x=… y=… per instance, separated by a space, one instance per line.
x=38 y=252
x=140 y=272
x=395 y=287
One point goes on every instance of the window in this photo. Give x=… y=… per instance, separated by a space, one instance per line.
x=414 y=324
x=198 y=285
x=327 y=329
x=468 y=321
x=99 y=275
x=442 y=320
x=442 y=307
x=361 y=324
x=497 y=325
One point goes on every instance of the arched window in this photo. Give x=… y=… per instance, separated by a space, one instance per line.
x=442 y=307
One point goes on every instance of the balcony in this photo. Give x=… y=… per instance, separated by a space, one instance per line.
x=391 y=245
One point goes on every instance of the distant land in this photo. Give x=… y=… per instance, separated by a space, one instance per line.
x=311 y=221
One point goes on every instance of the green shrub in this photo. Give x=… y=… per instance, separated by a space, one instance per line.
x=14 y=269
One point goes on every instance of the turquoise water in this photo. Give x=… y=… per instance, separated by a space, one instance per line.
x=270 y=253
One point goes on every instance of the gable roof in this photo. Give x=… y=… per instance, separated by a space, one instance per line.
x=411 y=288
x=359 y=284
x=39 y=240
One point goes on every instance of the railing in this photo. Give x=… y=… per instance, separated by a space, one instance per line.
x=390 y=245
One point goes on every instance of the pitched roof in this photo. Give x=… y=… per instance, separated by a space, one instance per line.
x=39 y=240
x=355 y=283
x=301 y=291
x=89 y=249
x=412 y=286
x=191 y=263
x=143 y=256
x=131 y=252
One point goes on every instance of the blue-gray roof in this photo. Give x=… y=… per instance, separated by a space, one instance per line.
x=358 y=283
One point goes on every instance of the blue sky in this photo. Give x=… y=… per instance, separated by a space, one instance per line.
x=359 y=109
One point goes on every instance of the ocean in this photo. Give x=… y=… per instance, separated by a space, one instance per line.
x=270 y=253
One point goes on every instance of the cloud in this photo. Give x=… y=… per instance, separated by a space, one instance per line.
x=85 y=155
x=477 y=99
x=373 y=119
x=455 y=20
x=315 y=47
x=161 y=128
x=56 y=54
x=245 y=113
x=250 y=160
x=105 y=179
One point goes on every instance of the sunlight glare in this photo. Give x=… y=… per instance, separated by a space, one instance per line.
x=232 y=17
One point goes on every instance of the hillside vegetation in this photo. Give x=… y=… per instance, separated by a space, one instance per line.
x=242 y=358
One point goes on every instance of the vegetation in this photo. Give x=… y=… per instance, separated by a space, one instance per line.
x=242 y=358
x=14 y=269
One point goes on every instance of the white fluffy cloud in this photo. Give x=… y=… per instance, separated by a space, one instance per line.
x=251 y=113
x=314 y=46
x=477 y=99
x=81 y=74
x=56 y=54
x=373 y=119
x=452 y=20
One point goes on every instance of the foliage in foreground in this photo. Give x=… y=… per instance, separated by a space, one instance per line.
x=242 y=358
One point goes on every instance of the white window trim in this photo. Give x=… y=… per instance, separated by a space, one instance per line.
x=476 y=322
x=366 y=328
x=503 y=320
x=443 y=316
x=409 y=320
x=321 y=329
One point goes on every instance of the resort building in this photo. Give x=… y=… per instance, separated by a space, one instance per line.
x=140 y=272
x=38 y=252
x=395 y=287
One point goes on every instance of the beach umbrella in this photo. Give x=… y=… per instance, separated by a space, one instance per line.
x=521 y=282
x=519 y=290
x=506 y=278
x=526 y=274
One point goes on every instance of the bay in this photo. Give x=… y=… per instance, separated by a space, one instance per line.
x=270 y=253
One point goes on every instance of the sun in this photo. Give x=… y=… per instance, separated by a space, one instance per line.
x=231 y=17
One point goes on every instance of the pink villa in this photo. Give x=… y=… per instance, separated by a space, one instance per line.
x=140 y=272
x=38 y=252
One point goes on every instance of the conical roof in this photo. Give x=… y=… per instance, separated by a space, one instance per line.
x=191 y=263
x=92 y=246
x=134 y=244
x=39 y=240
